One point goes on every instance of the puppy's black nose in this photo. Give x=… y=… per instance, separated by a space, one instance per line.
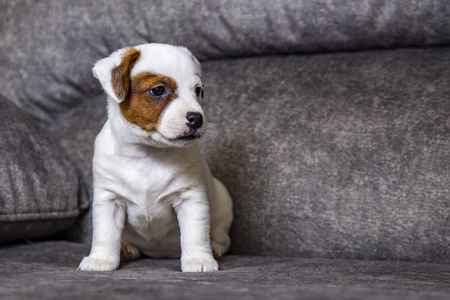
x=195 y=120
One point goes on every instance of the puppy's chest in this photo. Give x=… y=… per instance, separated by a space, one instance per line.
x=150 y=189
x=147 y=182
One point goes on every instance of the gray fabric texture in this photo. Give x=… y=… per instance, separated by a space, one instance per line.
x=75 y=133
x=48 y=271
x=40 y=190
x=341 y=155
x=336 y=155
x=47 y=48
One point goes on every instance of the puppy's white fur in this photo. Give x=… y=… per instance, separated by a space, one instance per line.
x=154 y=193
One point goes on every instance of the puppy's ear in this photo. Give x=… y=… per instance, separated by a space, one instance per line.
x=114 y=71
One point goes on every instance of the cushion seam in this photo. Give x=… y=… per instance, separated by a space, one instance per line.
x=39 y=216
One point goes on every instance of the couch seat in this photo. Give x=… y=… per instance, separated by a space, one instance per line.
x=49 y=270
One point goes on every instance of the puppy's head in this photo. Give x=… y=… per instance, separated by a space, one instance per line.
x=157 y=89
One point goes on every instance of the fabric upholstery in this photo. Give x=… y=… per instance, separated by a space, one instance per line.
x=328 y=151
x=40 y=190
x=335 y=155
x=48 y=48
x=48 y=271
x=75 y=133
x=341 y=155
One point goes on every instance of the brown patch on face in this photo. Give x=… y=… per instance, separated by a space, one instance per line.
x=120 y=75
x=140 y=107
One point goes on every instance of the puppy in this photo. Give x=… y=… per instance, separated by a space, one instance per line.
x=154 y=194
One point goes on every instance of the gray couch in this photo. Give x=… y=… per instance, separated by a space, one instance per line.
x=332 y=134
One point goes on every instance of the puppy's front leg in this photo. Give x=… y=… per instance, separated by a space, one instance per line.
x=108 y=218
x=193 y=219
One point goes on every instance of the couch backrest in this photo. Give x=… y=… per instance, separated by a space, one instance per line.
x=356 y=165
x=47 y=48
x=337 y=155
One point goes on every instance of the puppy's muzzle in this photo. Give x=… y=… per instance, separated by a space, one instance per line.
x=194 y=122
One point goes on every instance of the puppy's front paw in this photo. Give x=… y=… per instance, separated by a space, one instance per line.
x=95 y=264
x=199 y=265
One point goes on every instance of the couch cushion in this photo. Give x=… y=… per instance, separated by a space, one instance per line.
x=40 y=190
x=340 y=155
x=48 y=48
x=75 y=134
x=335 y=155
x=48 y=271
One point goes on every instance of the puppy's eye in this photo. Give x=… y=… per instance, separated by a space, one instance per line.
x=158 y=91
x=199 y=91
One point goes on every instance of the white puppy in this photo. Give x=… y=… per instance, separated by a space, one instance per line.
x=153 y=192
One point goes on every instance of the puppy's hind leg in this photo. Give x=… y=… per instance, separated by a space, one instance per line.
x=221 y=218
x=220 y=242
x=129 y=252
